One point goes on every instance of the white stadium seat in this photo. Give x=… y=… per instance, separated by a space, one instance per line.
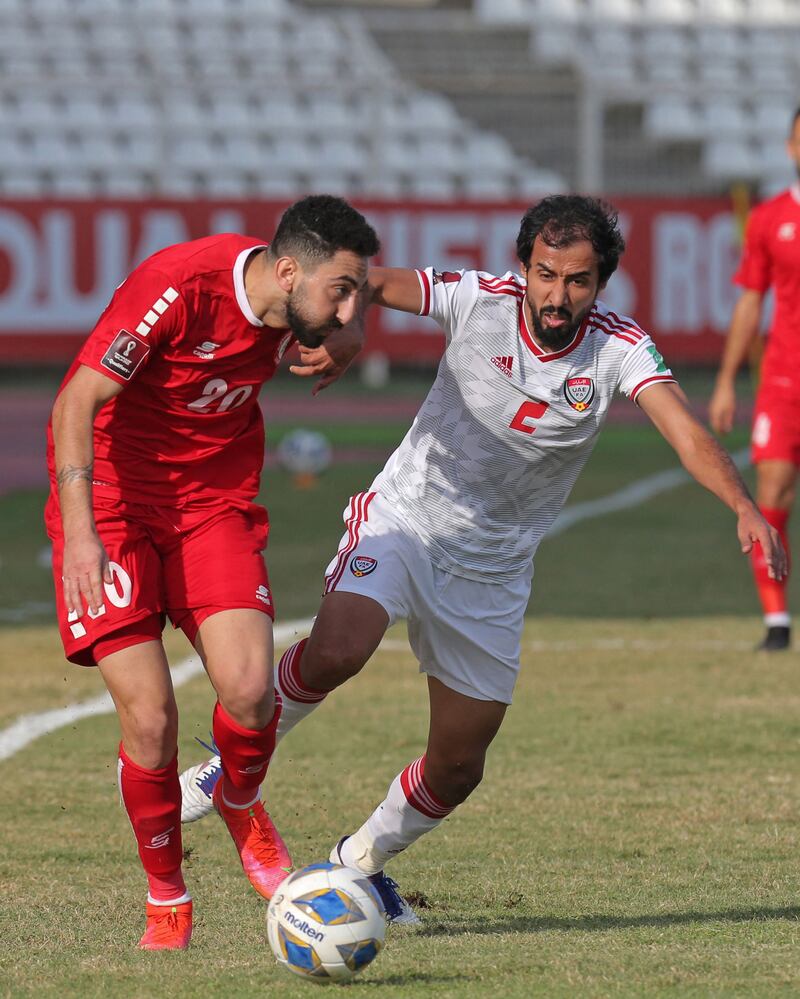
x=198 y=97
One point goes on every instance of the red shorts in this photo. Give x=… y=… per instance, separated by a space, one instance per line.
x=776 y=425
x=187 y=563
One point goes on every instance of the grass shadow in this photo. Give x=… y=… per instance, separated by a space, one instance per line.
x=601 y=923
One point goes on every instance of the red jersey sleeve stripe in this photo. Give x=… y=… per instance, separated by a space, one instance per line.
x=425 y=287
x=626 y=324
x=507 y=290
x=497 y=282
x=650 y=381
x=599 y=324
x=629 y=329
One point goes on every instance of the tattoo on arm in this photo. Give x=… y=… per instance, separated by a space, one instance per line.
x=73 y=473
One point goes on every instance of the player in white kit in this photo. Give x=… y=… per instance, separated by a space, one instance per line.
x=445 y=536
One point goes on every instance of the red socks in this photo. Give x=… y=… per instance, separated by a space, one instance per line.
x=245 y=754
x=152 y=799
x=772 y=592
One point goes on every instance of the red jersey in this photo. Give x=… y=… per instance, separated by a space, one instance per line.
x=180 y=335
x=771 y=258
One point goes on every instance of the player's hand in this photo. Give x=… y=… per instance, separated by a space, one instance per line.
x=330 y=360
x=754 y=530
x=722 y=408
x=85 y=569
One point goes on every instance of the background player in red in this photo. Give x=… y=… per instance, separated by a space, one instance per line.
x=771 y=259
x=155 y=451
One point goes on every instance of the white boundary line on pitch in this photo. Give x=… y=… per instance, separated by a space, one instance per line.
x=30 y=727
x=633 y=495
x=27 y=728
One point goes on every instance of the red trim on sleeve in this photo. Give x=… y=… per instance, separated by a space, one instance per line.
x=651 y=381
x=426 y=293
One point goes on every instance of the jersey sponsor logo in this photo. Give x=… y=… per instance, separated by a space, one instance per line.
x=787 y=232
x=160 y=306
x=125 y=354
x=579 y=393
x=362 y=565
x=263 y=594
x=206 y=350
x=504 y=363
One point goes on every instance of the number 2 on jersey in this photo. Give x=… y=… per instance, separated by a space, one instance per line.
x=528 y=411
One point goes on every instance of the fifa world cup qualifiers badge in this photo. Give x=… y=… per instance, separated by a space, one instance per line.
x=125 y=354
x=362 y=565
x=579 y=393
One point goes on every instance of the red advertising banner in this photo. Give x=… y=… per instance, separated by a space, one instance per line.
x=61 y=261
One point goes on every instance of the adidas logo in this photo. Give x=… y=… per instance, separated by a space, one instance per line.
x=504 y=364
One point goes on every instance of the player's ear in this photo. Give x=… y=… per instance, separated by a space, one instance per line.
x=286 y=273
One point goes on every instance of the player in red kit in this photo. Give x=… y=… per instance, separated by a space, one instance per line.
x=771 y=259
x=155 y=451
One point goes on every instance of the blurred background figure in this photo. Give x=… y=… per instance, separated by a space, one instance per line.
x=771 y=259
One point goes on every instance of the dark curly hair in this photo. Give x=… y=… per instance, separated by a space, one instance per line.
x=315 y=228
x=563 y=219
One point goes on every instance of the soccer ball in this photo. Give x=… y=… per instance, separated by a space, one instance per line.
x=326 y=922
x=305 y=452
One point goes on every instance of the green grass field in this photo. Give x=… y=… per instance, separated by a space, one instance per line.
x=636 y=833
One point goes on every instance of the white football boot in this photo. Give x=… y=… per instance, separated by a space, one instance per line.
x=197 y=788
x=398 y=912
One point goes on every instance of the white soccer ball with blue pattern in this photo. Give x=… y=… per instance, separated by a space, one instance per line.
x=305 y=452
x=326 y=922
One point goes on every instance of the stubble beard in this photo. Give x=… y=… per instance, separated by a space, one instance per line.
x=306 y=333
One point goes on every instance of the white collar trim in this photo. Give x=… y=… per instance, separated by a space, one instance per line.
x=238 y=285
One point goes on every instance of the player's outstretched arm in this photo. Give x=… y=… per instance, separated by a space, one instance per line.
x=396 y=288
x=743 y=329
x=85 y=561
x=710 y=465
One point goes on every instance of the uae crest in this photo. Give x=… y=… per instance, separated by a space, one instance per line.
x=579 y=393
x=362 y=565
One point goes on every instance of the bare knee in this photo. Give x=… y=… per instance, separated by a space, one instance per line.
x=249 y=700
x=150 y=734
x=775 y=485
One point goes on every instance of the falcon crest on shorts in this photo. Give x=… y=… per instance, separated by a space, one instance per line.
x=362 y=565
x=579 y=393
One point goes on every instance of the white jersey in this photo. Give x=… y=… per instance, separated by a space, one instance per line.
x=506 y=428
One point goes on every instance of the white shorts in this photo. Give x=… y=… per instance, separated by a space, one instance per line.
x=464 y=632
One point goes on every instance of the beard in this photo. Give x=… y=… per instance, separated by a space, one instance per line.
x=558 y=338
x=306 y=332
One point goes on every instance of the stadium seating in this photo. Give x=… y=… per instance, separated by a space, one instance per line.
x=226 y=98
x=724 y=74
